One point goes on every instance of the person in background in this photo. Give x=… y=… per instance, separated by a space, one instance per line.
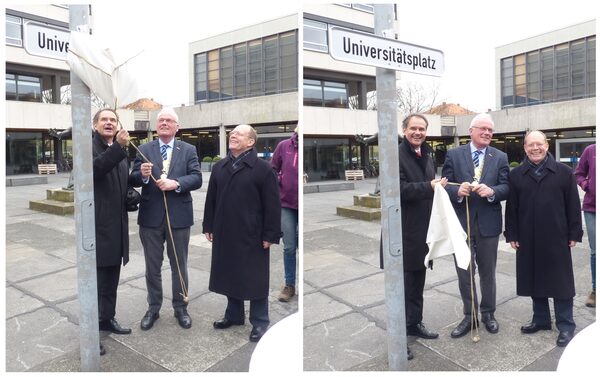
x=285 y=163
x=585 y=174
x=543 y=224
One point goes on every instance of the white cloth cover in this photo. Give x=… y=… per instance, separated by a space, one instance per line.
x=107 y=73
x=445 y=235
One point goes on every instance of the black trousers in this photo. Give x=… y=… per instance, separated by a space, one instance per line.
x=259 y=311
x=414 y=283
x=108 y=281
x=563 y=311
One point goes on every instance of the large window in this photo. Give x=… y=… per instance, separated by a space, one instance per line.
x=315 y=35
x=557 y=73
x=23 y=88
x=262 y=66
x=14 y=33
x=325 y=93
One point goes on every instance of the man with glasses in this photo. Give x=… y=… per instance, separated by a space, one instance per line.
x=242 y=219
x=482 y=172
x=172 y=169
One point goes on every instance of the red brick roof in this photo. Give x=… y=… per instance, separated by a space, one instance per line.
x=449 y=109
x=144 y=104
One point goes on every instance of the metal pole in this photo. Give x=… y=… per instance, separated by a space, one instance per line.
x=391 y=220
x=89 y=337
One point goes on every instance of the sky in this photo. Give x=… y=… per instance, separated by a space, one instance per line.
x=468 y=32
x=164 y=29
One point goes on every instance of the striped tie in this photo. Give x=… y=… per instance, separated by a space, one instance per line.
x=476 y=158
x=163 y=151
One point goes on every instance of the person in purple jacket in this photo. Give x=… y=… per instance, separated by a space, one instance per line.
x=585 y=174
x=285 y=163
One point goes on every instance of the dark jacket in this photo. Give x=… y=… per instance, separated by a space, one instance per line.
x=416 y=198
x=184 y=168
x=543 y=217
x=242 y=210
x=111 y=172
x=285 y=163
x=458 y=168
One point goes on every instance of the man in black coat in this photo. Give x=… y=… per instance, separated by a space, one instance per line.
x=242 y=219
x=543 y=223
x=111 y=172
x=482 y=171
x=175 y=167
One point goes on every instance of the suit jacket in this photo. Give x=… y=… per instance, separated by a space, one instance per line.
x=459 y=168
x=184 y=168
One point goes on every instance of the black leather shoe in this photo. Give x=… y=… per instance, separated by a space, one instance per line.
x=183 y=318
x=102 y=349
x=491 y=325
x=257 y=333
x=113 y=326
x=533 y=327
x=225 y=323
x=148 y=320
x=463 y=328
x=409 y=354
x=564 y=337
x=421 y=331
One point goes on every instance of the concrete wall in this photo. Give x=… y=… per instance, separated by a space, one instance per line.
x=330 y=121
x=556 y=115
x=253 y=110
x=42 y=116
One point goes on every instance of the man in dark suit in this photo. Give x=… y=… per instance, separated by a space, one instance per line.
x=111 y=172
x=242 y=219
x=482 y=171
x=175 y=171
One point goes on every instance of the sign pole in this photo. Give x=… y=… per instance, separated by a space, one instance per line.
x=89 y=336
x=391 y=216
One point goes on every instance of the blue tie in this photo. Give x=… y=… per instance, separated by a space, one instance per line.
x=163 y=151
x=476 y=158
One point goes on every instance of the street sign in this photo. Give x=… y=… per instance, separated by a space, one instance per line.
x=368 y=49
x=45 y=40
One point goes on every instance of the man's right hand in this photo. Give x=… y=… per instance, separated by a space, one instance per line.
x=209 y=236
x=146 y=169
x=464 y=189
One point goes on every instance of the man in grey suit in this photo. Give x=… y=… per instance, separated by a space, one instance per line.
x=482 y=172
x=175 y=169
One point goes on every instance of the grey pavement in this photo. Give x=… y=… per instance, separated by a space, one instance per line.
x=42 y=332
x=344 y=306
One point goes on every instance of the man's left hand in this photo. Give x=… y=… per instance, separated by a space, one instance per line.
x=266 y=244
x=483 y=190
x=166 y=184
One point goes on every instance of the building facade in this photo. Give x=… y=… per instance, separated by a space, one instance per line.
x=246 y=76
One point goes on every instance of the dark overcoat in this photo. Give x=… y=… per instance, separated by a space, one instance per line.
x=416 y=199
x=242 y=210
x=543 y=217
x=111 y=172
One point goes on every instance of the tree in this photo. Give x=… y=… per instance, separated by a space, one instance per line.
x=414 y=97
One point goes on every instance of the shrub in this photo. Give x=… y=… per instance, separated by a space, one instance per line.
x=514 y=164
x=207 y=159
x=216 y=158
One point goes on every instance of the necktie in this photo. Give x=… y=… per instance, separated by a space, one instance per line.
x=476 y=158
x=163 y=151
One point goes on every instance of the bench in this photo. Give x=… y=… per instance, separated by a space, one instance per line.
x=47 y=169
x=354 y=175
